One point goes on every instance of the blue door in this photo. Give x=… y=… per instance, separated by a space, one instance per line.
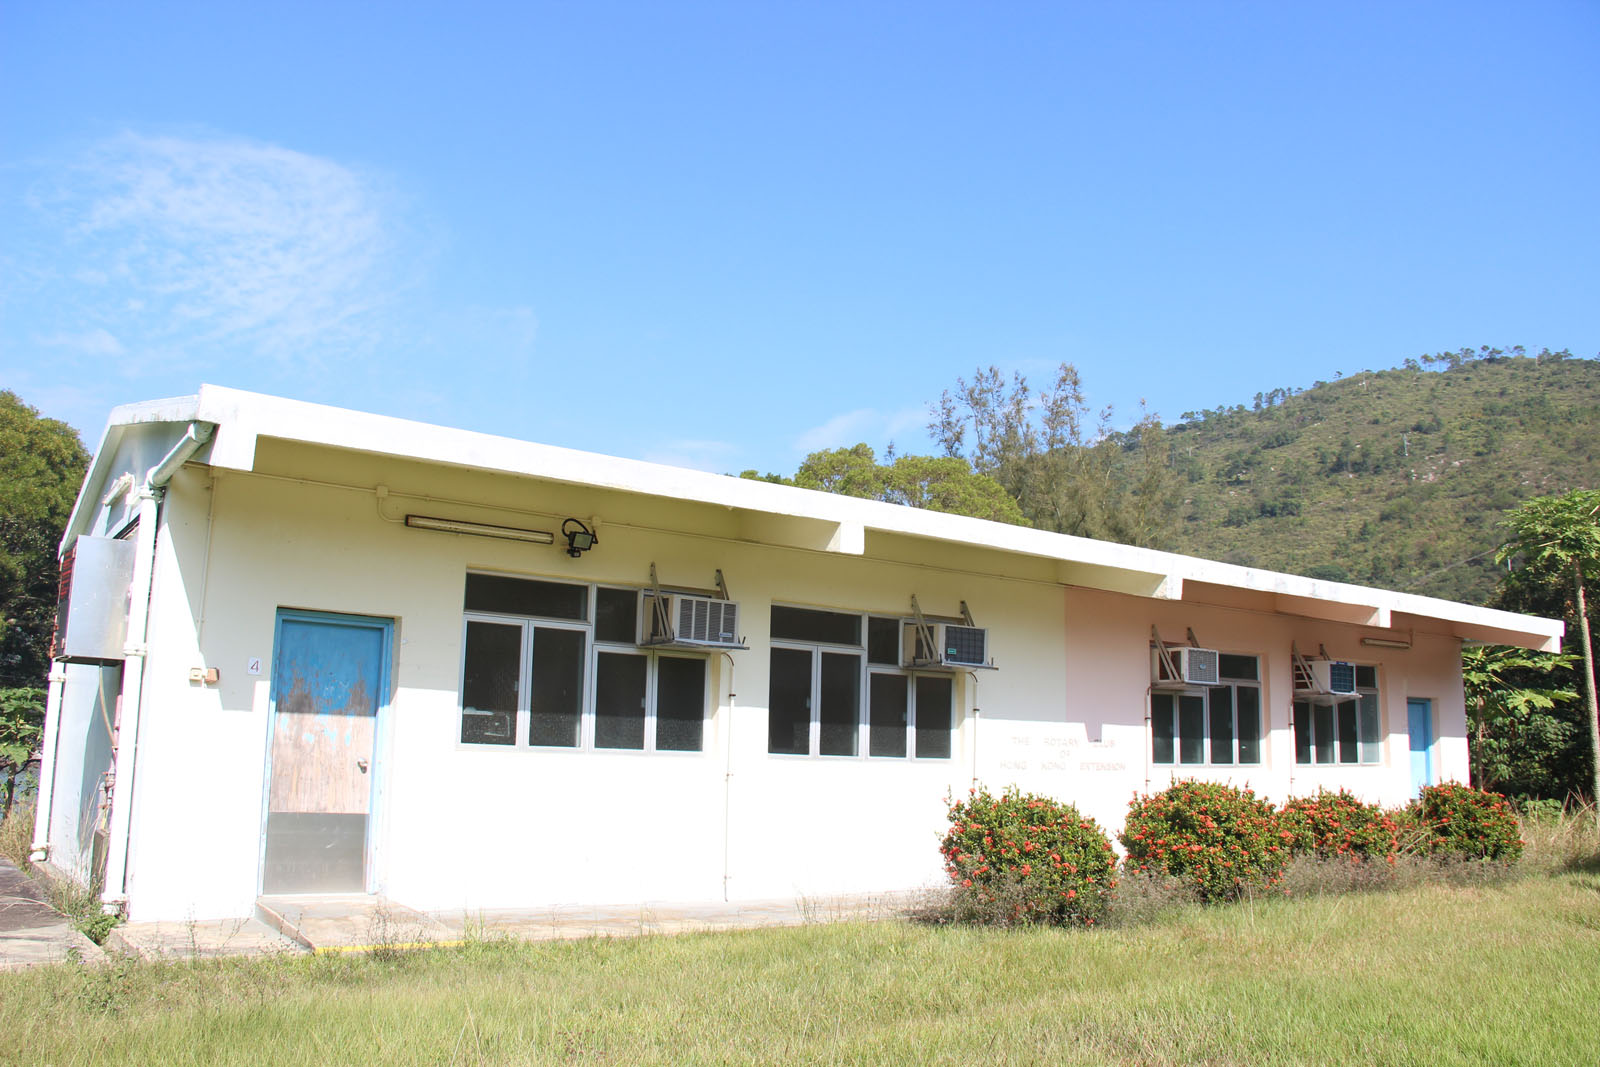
x=329 y=678
x=1419 y=719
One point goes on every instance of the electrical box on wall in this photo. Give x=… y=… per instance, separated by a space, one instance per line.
x=92 y=605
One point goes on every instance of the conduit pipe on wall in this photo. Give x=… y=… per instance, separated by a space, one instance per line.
x=975 y=714
x=151 y=495
x=39 y=851
x=727 y=784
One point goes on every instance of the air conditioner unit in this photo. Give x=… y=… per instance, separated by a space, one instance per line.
x=1329 y=676
x=688 y=621
x=1193 y=666
x=953 y=646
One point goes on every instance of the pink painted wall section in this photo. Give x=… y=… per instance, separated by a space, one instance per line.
x=1107 y=674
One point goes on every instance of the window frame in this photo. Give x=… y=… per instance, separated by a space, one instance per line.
x=865 y=672
x=1205 y=694
x=1334 y=703
x=593 y=649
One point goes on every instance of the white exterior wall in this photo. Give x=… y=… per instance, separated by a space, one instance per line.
x=484 y=826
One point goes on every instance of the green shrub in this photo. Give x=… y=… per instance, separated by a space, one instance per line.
x=1542 y=809
x=1459 y=820
x=1028 y=859
x=1338 y=825
x=1219 y=840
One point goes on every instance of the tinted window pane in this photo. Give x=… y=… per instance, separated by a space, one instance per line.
x=789 y=702
x=615 y=615
x=557 y=687
x=935 y=716
x=1371 y=738
x=1367 y=677
x=680 y=704
x=1322 y=724
x=1222 y=724
x=803 y=624
x=883 y=642
x=489 y=683
x=841 y=703
x=1242 y=667
x=1302 y=732
x=887 y=700
x=1191 y=728
x=523 y=596
x=1248 y=698
x=1348 y=752
x=619 y=700
x=1161 y=727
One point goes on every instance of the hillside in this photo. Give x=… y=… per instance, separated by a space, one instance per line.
x=1393 y=478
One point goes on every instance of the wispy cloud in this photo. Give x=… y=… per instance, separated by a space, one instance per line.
x=713 y=456
x=175 y=245
x=875 y=427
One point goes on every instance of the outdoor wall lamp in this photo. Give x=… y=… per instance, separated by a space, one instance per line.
x=579 y=540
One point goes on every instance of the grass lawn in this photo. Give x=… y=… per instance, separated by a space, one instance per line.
x=1491 y=974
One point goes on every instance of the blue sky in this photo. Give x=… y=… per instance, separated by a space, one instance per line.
x=724 y=235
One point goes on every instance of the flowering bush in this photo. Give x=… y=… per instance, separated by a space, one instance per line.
x=1025 y=858
x=1218 y=839
x=1473 y=823
x=1337 y=825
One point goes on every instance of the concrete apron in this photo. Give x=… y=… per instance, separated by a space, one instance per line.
x=31 y=931
x=361 y=923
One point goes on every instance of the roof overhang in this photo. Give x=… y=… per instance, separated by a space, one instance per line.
x=820 y=521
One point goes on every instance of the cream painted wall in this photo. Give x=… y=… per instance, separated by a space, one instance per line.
x=481 y=827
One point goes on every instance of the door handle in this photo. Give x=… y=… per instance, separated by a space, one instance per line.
x=362 y=764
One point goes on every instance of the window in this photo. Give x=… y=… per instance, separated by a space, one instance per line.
x=1218 y=725
x=831 y=693
x=1331 y=729
x=557 y=665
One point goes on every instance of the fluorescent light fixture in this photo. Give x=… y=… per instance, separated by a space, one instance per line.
x=1385 y=642
x=508 y=533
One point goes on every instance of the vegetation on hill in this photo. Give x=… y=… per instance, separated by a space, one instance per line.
x=1393 y=478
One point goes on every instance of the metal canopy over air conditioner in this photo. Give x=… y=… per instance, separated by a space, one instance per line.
x=1323 y=677
x=946 y=645
x=688 y=620
x=92 y=608
x=1178 y=666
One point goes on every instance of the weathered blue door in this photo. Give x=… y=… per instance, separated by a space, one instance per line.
x=1419 y=720
x=328 y=682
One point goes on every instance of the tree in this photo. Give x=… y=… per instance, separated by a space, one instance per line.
x=1557 y=539
x=21 y=724
x=936 y=483
x=1061 y=462
x=42 y=463
x=1521 y=743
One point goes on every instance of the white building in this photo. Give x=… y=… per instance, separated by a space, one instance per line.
x=361 y=654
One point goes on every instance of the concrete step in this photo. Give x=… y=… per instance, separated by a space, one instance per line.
x=351 y=923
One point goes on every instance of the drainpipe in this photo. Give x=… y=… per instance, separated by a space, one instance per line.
x=40 y=850
x=114 y=898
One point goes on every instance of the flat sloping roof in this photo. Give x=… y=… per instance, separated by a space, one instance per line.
x=241 y=418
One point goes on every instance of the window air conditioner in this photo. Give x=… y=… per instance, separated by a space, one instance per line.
x=953 y=646
x=1332 y=676
x=1194 y=666
x=692 y=621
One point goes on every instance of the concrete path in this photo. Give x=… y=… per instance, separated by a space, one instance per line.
x=31 y=931
x=203 y=939
x=358 y=923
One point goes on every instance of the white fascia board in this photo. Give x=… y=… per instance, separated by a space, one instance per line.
x=173 y=409
x=243 y=416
